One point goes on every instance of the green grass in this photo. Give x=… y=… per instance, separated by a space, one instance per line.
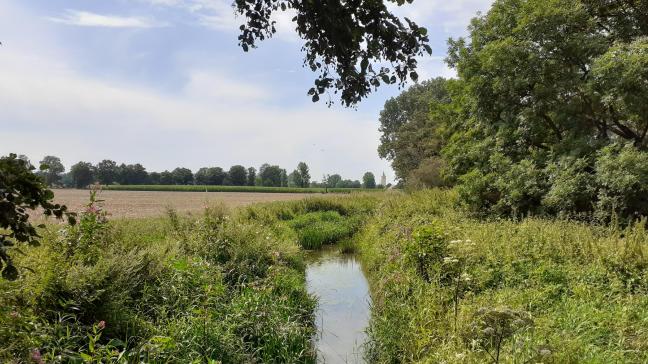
x=200 y=188
x=229 y=286
x=315 y=229
x=565 y=292
x=219 y=287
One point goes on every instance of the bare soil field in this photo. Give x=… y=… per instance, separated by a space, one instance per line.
x=154 y=203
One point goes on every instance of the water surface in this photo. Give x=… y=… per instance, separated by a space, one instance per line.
x=343 y=312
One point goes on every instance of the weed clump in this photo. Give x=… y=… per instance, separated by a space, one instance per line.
x=217 y=287
x=447 y=287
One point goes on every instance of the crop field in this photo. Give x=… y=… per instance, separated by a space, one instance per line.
x=129 y=204
x=250 y=189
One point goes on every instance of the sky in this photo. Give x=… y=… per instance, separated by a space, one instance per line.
x=163 y=83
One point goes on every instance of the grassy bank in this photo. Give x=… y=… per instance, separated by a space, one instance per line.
x=228 y=286
x=199 y=188
x=450 y=289
x=220 y=286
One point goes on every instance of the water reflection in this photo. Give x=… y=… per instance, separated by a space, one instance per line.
x=343 y=312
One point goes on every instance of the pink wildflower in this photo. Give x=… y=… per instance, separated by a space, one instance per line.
x=37 y=357
x=101 y=325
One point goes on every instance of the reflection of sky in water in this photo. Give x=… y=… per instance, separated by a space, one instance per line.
x=343 y=314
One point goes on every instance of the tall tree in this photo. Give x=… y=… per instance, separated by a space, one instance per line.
x=549 y=92
x=348 y=42
x=107 y=172
x=166 y=178
x=333 y=180
x=182 y=176
x=53 y=170
x=237 y=175
x=369 y=180
x=410 y=132
x=154 y=178
x=82 y=174
x=251 y=176
x=304 y=174
x=294 y=179
x=132 y=174
x=284 y=178
x=270 y=175
x=201 y=176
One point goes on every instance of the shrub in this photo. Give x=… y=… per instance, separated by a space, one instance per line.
x=622 y=173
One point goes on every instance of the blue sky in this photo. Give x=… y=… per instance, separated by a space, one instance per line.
x=163 y=83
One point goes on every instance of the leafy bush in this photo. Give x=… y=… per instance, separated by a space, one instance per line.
x=622 y=174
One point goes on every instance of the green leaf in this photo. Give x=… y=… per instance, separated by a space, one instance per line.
x=86 y=358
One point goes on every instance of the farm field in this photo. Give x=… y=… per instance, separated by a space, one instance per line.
x=128 y=204
x=250 y=189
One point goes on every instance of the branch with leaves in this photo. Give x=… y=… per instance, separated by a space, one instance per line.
x=20 y=191
x=354 y=44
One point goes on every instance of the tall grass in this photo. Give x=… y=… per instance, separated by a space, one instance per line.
x=218 y=287
x=450 y=289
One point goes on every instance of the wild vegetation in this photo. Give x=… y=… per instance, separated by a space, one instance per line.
x=447 y=288
x=537 y=251
x=221 y=286
x=229 y=285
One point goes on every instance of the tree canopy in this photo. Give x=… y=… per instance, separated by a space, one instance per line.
x=53 y=168
x=82 y=174
x=354 y=45
x=409 y=134
x=548 y=104
x=237 y=175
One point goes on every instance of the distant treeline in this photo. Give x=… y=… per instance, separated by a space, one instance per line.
x=108 y=172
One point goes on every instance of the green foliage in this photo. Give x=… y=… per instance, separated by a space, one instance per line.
x=82 y=174
x=214 y=176
x=182 y=176
x=107 y=172
x=315 y=229
x=54 y=169
x=21 y=190
x=304 y=175
x=251 y=176
x=492 y=327
x=347 y=42
x=451 y=288
x=429 y=173
x=218 y=287
x=622 y=174
x=410 y=133
x=132 y=174
x=237 y=176
x=368 y=180
x=271 y=176
x=545 y=89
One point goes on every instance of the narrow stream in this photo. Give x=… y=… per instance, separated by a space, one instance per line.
x=343 y=312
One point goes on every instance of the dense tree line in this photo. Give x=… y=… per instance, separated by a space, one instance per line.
x=107 y=172
x=548 y=114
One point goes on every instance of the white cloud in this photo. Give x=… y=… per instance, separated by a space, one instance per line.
x=89 y=19
x=215 y=120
